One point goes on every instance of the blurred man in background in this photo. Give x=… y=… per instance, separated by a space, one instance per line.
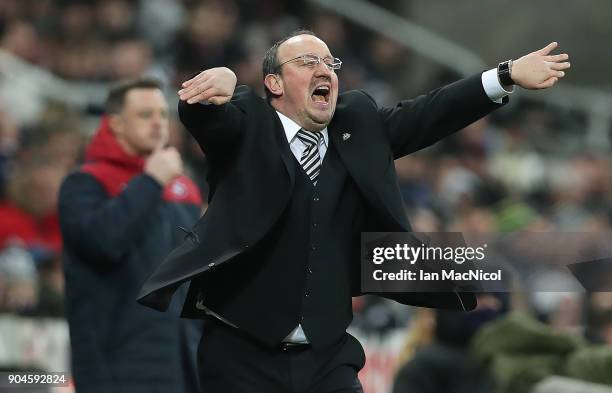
x=119 y=215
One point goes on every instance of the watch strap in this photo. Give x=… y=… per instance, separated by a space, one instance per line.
x=504 y=70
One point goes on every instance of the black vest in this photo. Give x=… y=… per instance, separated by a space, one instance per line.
x=303 y=270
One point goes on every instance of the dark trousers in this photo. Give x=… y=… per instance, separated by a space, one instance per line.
x=231 y=362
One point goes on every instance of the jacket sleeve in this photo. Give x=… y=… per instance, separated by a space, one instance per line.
x=99 y=228
x=216 y=128
x=414 y=124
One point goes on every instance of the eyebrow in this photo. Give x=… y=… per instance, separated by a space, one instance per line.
x=314 y=54
x=309 y=54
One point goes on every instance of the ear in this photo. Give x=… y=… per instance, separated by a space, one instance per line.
x=274 y=83
x=116 y=124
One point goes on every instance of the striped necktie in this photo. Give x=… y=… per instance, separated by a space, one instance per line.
x=311 y=160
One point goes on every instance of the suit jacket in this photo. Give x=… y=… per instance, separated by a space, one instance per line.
x=251 y=181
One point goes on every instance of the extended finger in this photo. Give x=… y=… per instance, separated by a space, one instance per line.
x=200 y=76
x=560 y=66
x=547 y=49
x=171 y=150
x=160 y=145
x=197 y=77
x=188 y=82
x=556 y=58
x=194 y=90
x=558 y=74
x=196 y=83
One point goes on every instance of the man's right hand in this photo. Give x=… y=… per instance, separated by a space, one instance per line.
x=215 y=85
x=164 y=165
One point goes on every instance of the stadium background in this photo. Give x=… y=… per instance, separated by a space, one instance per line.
x=542 y=163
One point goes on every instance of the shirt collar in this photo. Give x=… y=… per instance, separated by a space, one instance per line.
x=291 y=129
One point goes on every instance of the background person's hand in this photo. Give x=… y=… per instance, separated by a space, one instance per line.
x=539 y=69
x=164 y=165
x=215 y=85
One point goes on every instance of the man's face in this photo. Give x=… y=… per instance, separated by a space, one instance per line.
x=142 y=125
x=307 y=93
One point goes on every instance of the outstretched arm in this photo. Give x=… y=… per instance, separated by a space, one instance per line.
x=415 y=124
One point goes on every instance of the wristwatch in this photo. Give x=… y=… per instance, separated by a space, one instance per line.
x=504 y=70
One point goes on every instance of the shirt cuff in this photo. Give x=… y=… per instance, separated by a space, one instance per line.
x=493 y=88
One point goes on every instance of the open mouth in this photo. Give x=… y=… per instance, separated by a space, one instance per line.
x=320 y=95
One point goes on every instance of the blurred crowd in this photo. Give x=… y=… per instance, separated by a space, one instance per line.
x=523 y=169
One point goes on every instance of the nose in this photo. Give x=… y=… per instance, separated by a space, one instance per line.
x=157 y=121
x=323 y=70
x=159 y=117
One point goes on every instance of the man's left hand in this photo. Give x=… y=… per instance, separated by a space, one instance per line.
x=539 y=69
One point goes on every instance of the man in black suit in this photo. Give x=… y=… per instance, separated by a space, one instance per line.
x=294 y=180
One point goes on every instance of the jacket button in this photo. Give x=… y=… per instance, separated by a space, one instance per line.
x=316 y=199
x=211 y=264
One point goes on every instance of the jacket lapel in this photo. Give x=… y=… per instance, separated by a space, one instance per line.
x=284 y=149
x=367 y=162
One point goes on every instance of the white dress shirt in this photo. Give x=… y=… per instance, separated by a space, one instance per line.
x=291 y=128
x=297 y=146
